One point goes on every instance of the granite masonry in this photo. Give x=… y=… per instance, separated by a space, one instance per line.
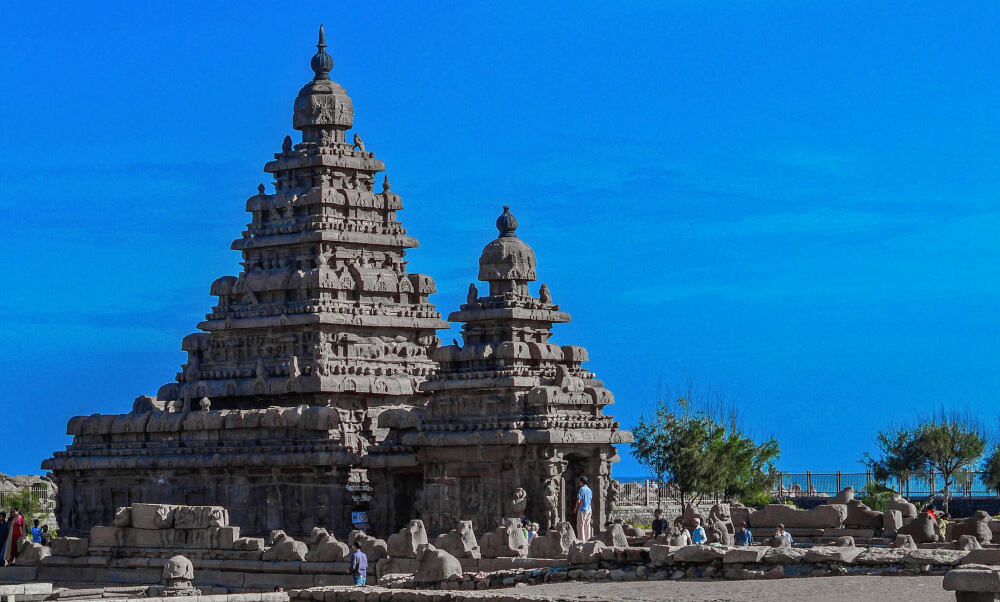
x=323 y=350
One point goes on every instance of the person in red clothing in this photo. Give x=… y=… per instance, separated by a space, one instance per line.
x=15 y=530
x=929 y=509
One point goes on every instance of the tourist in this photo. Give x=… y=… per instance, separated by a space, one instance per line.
x=743 y=535
x=779 y=532
x=929 y=509
x=3 y=536
x=15 y=531
x=698 y=535
x=36 y=533
x=679 y=536
x=359 y=564
x=532 y=531
x=583 y=510
x=46 y=536
x=659 y=523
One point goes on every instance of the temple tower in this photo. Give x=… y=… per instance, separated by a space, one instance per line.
x=513 y=420
x=321 y=332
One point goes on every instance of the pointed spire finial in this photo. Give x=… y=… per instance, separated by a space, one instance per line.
x=321 y=62
x=385 y=183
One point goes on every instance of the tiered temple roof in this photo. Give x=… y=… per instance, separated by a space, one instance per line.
x=324 y=304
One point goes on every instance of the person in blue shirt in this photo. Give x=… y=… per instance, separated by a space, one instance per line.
x=780 y=536
x=583 y=510
x=743 y=535
x=359 y=564
x=36 y=533
x=698 y=535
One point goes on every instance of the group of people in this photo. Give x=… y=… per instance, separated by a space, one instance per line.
x=679 y=534
x=12 y=529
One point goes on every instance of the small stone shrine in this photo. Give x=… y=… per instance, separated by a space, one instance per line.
x=320 y=350
x=513 y=420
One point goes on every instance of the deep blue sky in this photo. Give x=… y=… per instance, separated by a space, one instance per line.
x=790 y=203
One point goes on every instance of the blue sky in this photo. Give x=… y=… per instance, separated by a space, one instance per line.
x=792 y=204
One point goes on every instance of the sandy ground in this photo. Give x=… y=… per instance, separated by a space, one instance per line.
x=815 y=589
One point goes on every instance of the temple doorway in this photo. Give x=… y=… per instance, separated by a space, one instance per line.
x=404 y=494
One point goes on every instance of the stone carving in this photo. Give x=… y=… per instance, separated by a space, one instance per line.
x=554 y=543
x=614 y=536
x=891 y=523
x=551 y=504
x=460 y=542
x=517 y=503
x=861 y=516
x=544 y=295
x=922 y=529
x=905 y=508
x=508 y=540
x=284 y=548
x=585 y=552
x=473 y=294
x=375 y=549
x=178 y=573
x=904 y=542
x=968 y=543
x=977 y=525
x=846 y=495
x=436 y=565
x=405 y=543
x=324 y=547
x=205 y=404
x=359 y=144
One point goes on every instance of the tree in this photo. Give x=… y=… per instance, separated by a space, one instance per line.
x=28 y=503
x=951 y=445
x=991 y=469
x=946 y=444
x=692 y=451
x=900 y=455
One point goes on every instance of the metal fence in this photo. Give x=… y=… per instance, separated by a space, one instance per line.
x=642 y=491
x=36 y=493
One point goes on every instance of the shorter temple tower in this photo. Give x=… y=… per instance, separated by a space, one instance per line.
x=513 y=420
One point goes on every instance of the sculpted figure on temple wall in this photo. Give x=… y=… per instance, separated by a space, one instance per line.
x=359 y=144
x=473 y=295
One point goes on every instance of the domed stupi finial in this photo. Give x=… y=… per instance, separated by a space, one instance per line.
x=507 y=223
x=321 y=62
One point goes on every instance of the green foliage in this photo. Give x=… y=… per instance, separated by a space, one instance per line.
x=697 y=455
x=29 y=504
x=877 y=496
x=948 y=444
x=757 y=500
x=991 y=469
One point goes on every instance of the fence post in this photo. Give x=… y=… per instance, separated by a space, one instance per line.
x=838 y=481
x=809 y=483
x=647 y=493
x=868 y=478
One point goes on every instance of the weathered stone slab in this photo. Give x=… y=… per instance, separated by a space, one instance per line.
x=71 y=547
x=828 y=554
x=200 y=517
x=881 y=556
x=661 y=555
x=554 y=543
x=699 y=553
x=972 y=580
x=986 y=556
x=103 y=536
x=585 y=552
x=745 y=555
x=152 y=516
x=783 y=556
x=825 y=516
x=937 y=557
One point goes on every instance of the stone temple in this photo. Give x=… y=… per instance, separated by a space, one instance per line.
x=317 y=385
